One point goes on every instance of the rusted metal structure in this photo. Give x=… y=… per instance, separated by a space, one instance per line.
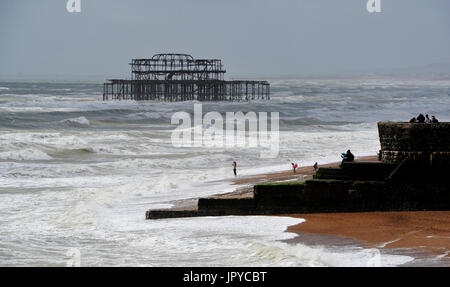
x=180 y=77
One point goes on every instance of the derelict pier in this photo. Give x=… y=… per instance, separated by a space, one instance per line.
x=180 y=77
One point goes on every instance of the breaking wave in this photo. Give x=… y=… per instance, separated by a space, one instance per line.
x=78 y=121
x=25 y=155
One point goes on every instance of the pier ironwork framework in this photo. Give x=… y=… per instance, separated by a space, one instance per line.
x=180 y=77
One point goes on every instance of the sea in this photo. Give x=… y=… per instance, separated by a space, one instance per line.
x=77 y=174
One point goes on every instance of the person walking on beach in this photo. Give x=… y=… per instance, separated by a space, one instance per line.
x=316 y=167
x=235 y=168
x=294 y=166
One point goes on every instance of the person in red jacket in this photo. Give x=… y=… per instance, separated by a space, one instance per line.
x=294 y=167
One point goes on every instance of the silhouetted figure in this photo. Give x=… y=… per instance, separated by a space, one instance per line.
x=434 y=120
x=347 y=157
x=316 y=167
x=427 y=119
x=421 y=119
x=235 y=168
x=413 y=121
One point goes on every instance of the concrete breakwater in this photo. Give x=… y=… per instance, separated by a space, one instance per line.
x=426 y=142
x=411 y=176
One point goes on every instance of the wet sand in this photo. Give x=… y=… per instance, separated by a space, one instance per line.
x=426 y=231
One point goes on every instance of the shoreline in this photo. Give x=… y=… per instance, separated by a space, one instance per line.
x=425 y=234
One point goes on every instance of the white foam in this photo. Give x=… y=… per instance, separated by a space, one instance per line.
x=239 y=241
x=25 y=155
x=445 y=254
x=78 y=121
x=384 y=244
x=145 y=116
x=37 y=109
x=306 y=256
x=56 y=141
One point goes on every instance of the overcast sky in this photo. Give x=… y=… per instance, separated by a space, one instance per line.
x=253 y=37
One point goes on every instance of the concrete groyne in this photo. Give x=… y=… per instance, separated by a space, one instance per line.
x=411 y=176
x=423 y=142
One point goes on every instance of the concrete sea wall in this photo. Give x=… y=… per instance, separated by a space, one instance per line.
x=423 y=142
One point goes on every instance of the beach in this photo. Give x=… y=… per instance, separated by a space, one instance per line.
x=421 y=234
x=425 y=233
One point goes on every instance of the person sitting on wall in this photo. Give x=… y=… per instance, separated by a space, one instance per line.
x=421 y=119
x=434 y=120
x=413 y=121
x=347 y=157
x=427 y=119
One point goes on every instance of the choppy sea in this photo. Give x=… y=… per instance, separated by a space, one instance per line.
x=77 y=172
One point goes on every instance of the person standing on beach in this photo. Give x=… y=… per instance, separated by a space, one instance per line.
x=294 y=167
x=235 y=168
x=316 y=167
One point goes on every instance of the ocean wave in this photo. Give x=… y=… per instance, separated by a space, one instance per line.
x=70 y=153
x=49 y=171
x=54 y=140
x=37 y=109
x=78 y=121
x=145 y=116
x=284 y=254
x=25 y=155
